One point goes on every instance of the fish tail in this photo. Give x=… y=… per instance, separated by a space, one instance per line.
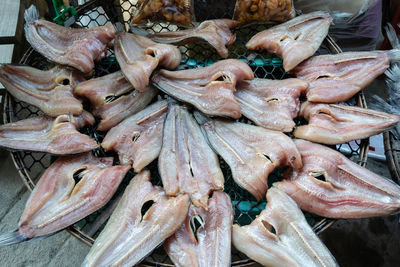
x=11 y=238
x=31 y=14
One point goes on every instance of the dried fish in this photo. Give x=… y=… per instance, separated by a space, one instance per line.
x=251 y=152
x=78 y=48
x=138 y=138
x=337 y=124
x=294 y=40
x=45 y=134
x=51 y=91
x=272 y=104
x=330 y=185
x=281 y=236
x=186 y=163
x=69 y=190
x=209 y=89
x=143 y=219
x=209 y=244
x=139 y=56
x=113 y=98
x=216 y=32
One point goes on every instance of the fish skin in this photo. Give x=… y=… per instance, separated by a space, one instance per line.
x=186 y=163
x=203 y=87
x=128 y=102
x=138 y=57
x=252 y=152
x=213 y=244
x=51 y=135
x=57 y=202
x=257 y=101
x=337 y=78
x=43 y=89
x=337 y=124
x=128 y=237
x=148 y=125
x=294 y=243
x=295 y=40
x=347 y=190
x=215 y=32
x=78 y=48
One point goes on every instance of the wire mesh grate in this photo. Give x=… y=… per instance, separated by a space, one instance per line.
x=96 y=13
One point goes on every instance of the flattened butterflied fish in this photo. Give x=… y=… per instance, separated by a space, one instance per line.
x=281 y=236
x=45 y=134
x=139 y=56
x=337 y=78
x=337 y=124
x=78 y=48
x=209 y=89
x=69 y=190
x=216 y=32
x=251 y=152
x=332 y=186
x=134 y=229
x=113 y=98
x=186 y=163
x=204 y=239
x=138 y=138
x=271 y=104
x=51 y=90
x=294 y=40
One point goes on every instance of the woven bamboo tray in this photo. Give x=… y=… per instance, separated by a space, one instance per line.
x=31 y=165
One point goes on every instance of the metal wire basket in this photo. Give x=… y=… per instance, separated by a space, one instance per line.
x=31 y=165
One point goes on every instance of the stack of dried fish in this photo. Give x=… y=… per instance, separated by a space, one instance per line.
x=187 y=132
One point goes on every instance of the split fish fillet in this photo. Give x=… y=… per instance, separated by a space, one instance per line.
x=45 y=134
x=337 y=124
x=139 y=56
x=209 y=89
x=294 y=40
x=272 y=104
x=210 y=243
x=332 y=186
x=281 y=236
x=78 y=48
x=51 y=90
x=131 y=232
x=216 y=32
x=251 y=152
x=186 y=163
x=113 y=98
x=337 y=78
x=138 y=138
x=69 y=190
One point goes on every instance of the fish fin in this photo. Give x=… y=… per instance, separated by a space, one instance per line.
x=382 y=105
x=200 y=117
x=12 y=238
x=31 y=14
x=119 y=27
x=139 y=31
x=392 y=36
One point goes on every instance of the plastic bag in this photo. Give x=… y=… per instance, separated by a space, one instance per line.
x=247 y=11
x=175 y=11
x=350 y=8
x=356 y=24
